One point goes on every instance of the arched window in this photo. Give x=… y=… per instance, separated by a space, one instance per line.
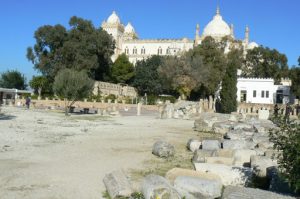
x=126 y=51
x=168 y=51
x=134 y=51
x=159 y=51
x=143 y=51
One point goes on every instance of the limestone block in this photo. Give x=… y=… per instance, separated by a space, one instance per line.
x=237 y=176
x=232 y=192
x=203 y=125
x=195 y=188
x=262 y=141
x=242 y=156
x=206 y=120
x=155 y=186
x=219 y=160
x=243 y=126
x=117 y=185
x=239 y=135
x=200 y=155
x=211 y=145
x=234 y=144
x=193 y=145
x=172 y=174
x=222 y=127
x=163 y=149
x=226 y=153
x=260 y=164
x=263 y=114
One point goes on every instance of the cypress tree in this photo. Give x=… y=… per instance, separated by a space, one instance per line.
x=229 y=89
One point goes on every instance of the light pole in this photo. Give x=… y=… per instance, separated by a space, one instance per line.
x=146 y=98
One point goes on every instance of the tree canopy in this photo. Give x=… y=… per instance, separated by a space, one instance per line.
x=214 y=61
x=39 y=83
x=72 y=86
x=147 y=79
x=122 y=70
x=294 y=74
x=13 y=79
x=264 y=62
x=82 y=47
x=183 y=73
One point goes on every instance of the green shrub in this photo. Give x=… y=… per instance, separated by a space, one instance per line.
x=287 y=140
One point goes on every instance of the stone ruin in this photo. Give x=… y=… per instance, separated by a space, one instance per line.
x=185 y=109
x=224 y=168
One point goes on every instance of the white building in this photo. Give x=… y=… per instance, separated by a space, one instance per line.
x=263 y=91
x=127 y=40
x=9 y=95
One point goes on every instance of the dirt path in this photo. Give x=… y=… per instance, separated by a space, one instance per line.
x=45 y=155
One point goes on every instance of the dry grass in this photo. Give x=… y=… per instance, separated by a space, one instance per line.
x=181 y=159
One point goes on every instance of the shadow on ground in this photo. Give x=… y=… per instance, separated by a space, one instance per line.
x=6 y=117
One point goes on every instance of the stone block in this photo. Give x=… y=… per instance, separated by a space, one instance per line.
x=243 y=126
x=195 y=188
x=242 y=157
x=222 y=127
x=259 y=164
x=163 y=149
x=263 y=114
x=219 y=160
x=257 y=138
x=234 y=144
x=193 y=145
x=172 y=174
x=117 y=185
x=233 y=192
x=155 y=186
x=239 y=135
x=203 y=125
x=211 y=144
x=237 y=176
x=200 y=155
x=226 y=153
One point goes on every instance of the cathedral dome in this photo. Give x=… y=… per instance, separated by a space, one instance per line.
x=129 y=28
x=217 y=28
x=252 y=45
x=113 y=18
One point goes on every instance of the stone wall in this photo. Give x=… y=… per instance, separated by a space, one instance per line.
x=81 y=104
x=251 y=108
x=106 y=88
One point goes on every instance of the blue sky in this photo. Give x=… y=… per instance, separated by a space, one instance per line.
x=273 y=23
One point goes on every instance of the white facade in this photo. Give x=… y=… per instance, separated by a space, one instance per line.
x=127 y=40
x=8 y=95
x=262 y=91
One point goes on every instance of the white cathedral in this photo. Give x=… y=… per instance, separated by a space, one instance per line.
x=127 y=41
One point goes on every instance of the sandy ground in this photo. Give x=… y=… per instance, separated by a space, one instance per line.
x=44 y=154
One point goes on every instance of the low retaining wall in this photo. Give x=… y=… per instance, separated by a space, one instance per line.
x=81 y=104
x=250 y=108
